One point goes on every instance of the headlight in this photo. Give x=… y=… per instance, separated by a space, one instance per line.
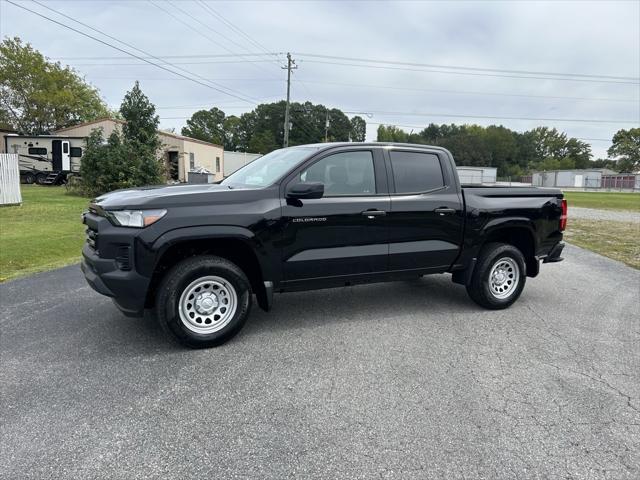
x=135 y=218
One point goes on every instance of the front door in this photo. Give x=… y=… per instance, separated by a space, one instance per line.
x=344 y=233
x=56 y=155
x=426 y=216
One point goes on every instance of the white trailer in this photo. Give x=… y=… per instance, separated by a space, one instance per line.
x=46 y=159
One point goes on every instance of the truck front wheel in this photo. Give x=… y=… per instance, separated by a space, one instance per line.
x=499 y=276
x=203 y=301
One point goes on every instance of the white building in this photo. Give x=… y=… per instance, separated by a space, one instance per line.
x=234 y=160
x=477 y=175
x=568 y=178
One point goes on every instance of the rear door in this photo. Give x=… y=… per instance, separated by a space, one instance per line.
x=343 y=233
x=426 y=216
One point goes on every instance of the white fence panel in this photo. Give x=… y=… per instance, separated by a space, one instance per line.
x=9 y=179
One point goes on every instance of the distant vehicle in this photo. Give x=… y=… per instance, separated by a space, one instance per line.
x=311 y=217
x=46 y=159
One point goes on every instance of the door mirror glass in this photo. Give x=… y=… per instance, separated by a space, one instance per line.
x=306 y=190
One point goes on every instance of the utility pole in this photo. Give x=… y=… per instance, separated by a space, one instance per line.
x=326 y=128
x=291 y=65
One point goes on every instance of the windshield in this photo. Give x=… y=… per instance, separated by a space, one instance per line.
x=267 y=169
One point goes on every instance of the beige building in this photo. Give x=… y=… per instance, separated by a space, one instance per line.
x=180 y=154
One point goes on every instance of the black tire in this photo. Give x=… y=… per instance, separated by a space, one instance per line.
x=40 y=178
x=28 y=178
x=480 y=290
x=178 y=279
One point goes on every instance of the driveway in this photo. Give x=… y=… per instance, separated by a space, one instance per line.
x=401 y=380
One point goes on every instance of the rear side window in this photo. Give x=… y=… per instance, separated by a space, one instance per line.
x=416 y=172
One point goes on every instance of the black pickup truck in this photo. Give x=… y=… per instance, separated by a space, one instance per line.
x=309 y=217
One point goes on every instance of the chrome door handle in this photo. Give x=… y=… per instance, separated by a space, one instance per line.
x=445 y=211
x=371 y=214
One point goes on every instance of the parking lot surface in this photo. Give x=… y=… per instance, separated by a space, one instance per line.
x=400 y=380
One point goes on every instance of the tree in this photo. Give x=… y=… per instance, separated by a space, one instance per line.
x=38 y=96
x=391 y=133
x=358 y=129
x=140 y=134
x=207 y=125
x=128 y=158
x=626 y=149
x=262 y=129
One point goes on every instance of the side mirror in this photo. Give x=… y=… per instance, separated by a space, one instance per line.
x=306 y=191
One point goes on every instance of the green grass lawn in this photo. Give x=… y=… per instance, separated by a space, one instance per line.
x=617 y=240
x=604 y=200
x=43 y=233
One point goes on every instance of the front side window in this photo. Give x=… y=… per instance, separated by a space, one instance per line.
x=346 y=173
x=415 y=172
x=76 y=151
x=267 y=169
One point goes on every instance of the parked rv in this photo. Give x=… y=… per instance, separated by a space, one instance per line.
x=46 y=159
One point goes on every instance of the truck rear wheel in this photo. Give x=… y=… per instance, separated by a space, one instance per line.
x=203 y=301
x=499 y=276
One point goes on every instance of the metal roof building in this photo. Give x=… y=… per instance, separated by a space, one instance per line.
x=180 y=154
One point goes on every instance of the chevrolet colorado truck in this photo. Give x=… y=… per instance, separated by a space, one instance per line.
x=308 y=217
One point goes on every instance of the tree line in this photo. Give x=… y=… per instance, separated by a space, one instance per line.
x=515 y=154
x=262 y=129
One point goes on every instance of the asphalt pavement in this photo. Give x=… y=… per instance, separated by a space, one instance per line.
x=400 y=380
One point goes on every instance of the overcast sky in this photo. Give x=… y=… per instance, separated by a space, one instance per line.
x=566 y=37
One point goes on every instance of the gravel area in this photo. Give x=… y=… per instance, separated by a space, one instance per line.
x=406 y=380
x=596 y=214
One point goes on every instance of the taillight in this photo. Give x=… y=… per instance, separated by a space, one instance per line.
x=563 y=215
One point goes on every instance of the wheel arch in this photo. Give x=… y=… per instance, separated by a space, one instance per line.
x=235 y=244
x=520 y=234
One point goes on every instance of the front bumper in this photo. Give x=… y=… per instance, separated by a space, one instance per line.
x=128 y=289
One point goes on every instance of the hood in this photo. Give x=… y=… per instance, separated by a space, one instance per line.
x=165 y=196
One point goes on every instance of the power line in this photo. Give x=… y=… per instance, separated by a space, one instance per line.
x=492 y=117
x=238 y=30
x=120 y=49
x=143 y=52
x=189 y=15
x=462 y=92
x=475 y=74
x=456 y=67
x=207 y=55
x=217 y=62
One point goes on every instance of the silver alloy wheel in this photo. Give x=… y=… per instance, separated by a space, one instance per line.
x=504 y=277
x=208 y=304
